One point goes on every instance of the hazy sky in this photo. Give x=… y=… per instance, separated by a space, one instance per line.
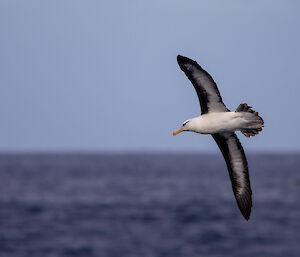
x=103 y=76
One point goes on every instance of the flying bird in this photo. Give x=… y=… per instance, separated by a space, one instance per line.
x=221 y=123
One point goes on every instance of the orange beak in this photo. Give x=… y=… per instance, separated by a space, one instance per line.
x=177 y=131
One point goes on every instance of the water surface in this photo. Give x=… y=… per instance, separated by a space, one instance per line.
x=145 y=206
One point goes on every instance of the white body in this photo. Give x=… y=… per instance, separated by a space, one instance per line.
x=216 y=122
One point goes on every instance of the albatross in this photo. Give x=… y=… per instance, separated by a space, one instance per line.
x=221 y=123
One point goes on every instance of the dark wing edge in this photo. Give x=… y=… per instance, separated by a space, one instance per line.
x=237 y=166
x=206 y=89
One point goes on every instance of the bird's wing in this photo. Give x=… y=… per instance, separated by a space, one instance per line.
x=236 y=161
x=207 y=90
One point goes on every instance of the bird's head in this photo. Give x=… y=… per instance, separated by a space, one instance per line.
x=186 y=126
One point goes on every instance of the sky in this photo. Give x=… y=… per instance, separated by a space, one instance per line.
x=103 y=76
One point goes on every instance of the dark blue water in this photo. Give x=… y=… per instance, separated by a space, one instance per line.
x=145 y=206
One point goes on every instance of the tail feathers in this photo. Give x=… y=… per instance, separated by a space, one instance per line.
x=245 y=108
x=255 y=122
x=251 y=132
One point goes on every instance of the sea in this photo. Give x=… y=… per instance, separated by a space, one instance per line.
x=146 y=205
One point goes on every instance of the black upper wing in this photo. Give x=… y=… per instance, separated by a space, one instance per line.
x=237 y=165
x=207 y=90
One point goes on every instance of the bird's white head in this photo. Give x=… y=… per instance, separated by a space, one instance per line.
x=186 y=126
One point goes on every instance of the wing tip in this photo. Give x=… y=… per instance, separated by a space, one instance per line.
x=245 y=206
x=182 y=60
x=247 y=215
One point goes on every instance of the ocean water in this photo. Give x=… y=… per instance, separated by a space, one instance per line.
x=146 y=206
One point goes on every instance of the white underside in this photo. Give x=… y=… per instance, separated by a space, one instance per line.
x=217 y=122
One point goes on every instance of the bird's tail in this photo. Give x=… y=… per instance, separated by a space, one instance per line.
x=255 y=123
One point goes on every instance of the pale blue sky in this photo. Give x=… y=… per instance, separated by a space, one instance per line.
x=103 y=76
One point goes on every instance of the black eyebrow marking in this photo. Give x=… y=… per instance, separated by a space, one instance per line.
x=185 y=122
